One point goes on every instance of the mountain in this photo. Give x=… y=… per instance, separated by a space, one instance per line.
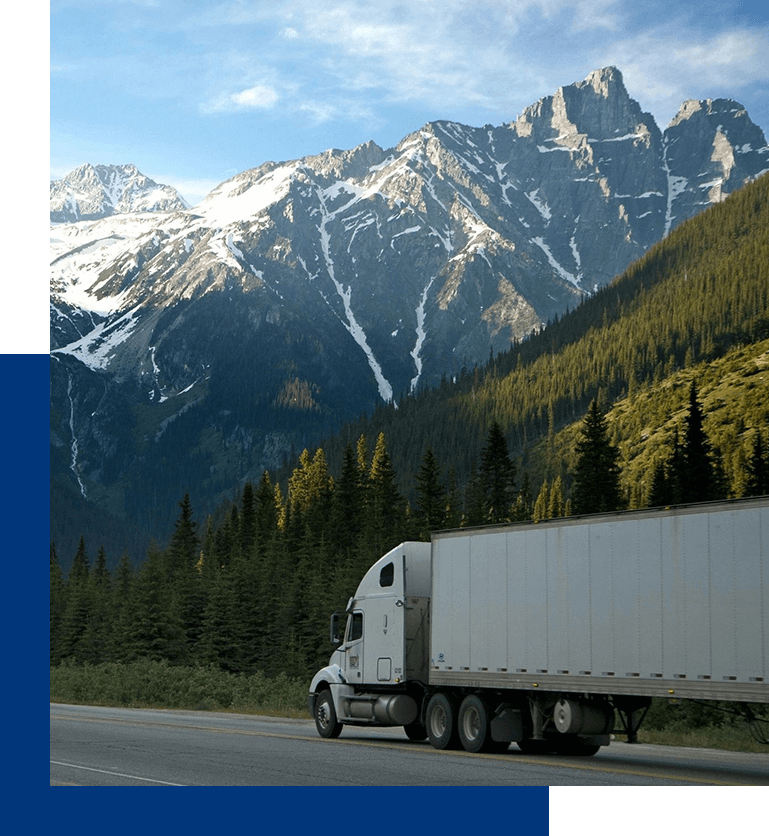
x=92 y=192
x=195 y=348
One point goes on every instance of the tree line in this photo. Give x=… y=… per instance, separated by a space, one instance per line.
x=251 y=590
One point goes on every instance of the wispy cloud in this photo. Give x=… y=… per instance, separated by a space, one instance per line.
x=298 y=75
x=663 y=68
x=258 y=97
x=445 y=55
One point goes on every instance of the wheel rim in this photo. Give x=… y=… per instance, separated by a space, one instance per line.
x=471 y=724
x=323 y=717
x=438 y=721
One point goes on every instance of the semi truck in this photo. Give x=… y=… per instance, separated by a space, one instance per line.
x=554 y=635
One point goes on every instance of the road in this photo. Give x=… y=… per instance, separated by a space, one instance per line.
x=138 y=747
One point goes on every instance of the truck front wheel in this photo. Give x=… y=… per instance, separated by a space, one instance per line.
x=325 y=716
x=441 y=722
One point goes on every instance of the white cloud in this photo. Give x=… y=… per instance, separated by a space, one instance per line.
x=258 y=97
x=662 y=69
x=255 y=97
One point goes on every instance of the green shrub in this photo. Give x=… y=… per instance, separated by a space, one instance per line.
x=158 y=684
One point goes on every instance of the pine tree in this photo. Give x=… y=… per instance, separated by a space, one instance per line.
x=58 y=605
x=122 y=597
x=542 y=503
x=431 y=496
x=266 y=512
x=97 y=638
x=757 y=483
x=182 y=552
x=155 y=631
x=524 y=502
x=596 y=485
x=659 y=490
x=75 y=619
x=384 y=511
x=186 y=584
x=555 y=507
x=496 y=477
x=347 y=504
x=698 y=482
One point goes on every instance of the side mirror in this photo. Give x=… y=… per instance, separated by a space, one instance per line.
x=335 y=639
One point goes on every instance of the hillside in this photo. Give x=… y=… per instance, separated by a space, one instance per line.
x=734 y=395
x=693 y=299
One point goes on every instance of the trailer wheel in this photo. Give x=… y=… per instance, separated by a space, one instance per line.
x=441 y=722
x=473 y=724
x=325 y=716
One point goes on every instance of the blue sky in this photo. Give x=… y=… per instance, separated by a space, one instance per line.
x=194 y=91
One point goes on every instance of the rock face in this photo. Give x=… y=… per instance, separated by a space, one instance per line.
x=299 y=294
x=711 y=149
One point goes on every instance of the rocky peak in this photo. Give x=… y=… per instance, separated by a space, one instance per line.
x=714 y=148
x=92 y=192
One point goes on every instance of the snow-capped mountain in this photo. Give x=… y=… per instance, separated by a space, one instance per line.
x=299 y=294
x=92 y=192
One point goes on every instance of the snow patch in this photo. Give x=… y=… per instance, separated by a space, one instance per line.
x=540 y=204
x=97 y=346
x=408 y=231
x=676 y=185
x=421 y=336
x=345 y=294
x=230 y=202
x=562 y=272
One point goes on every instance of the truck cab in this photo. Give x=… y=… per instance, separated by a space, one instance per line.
x=384 y=647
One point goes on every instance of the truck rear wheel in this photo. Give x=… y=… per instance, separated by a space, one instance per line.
x=325 y=716
x=441 y=722
x=474 y=725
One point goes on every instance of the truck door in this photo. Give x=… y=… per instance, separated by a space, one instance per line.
x=383 y=661
x=353 y=648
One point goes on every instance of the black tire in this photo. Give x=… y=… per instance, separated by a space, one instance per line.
x=474 y=725
x=415 y=731
x=325 y=716
x=441 y=722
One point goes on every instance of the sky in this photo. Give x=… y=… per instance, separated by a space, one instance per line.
x=195 y=91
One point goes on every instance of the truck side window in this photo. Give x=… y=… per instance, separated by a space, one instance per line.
x=356 y=627
x=387 y=575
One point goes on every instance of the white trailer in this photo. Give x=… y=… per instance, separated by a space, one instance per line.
x=545 y=634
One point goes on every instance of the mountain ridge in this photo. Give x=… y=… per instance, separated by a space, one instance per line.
x=300 y=294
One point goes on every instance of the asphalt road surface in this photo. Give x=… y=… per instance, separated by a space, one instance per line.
x=139 y=747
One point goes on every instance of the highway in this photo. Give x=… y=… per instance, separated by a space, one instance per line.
x=93 y=746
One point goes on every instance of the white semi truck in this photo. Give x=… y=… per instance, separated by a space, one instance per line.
x=549 y=635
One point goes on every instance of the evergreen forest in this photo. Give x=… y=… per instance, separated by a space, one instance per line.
x=652 y=392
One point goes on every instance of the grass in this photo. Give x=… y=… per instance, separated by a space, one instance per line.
x=731 y=738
